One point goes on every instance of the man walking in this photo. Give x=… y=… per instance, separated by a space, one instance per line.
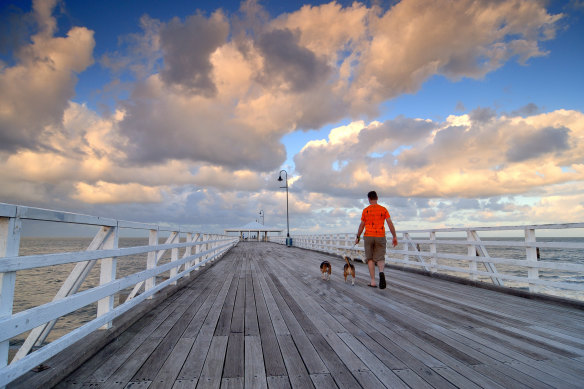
x=373 y=221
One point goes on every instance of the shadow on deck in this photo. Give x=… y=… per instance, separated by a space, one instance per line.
x=262 y=317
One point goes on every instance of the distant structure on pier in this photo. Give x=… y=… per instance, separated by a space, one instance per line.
x=254 y=231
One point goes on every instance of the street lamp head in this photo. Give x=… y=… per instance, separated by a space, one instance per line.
x=280 y=178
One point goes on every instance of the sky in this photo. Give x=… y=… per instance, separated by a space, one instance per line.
x=458 y=113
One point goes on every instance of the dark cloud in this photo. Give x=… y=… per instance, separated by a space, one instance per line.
x=535 y=144
x=287 y=62
x=158 y=131
x=187 y=48
x=482 y=115
x=467 y=204
x=528 y=110
x=15 y=28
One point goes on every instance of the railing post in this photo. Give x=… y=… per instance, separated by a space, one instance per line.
x=197 y=248
x=531 y=253
x=433 y=251
x=151 y=261
x=188 y=251
x=9 y=246
x=174 y=255
x=406 y=247
x=108 y=274
x=471 y=252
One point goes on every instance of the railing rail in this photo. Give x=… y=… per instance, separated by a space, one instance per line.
x=502 y=258
x=199 y=249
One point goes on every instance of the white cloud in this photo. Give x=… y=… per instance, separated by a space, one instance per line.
x=459 y=157
x=200 y=135
x=35 y=92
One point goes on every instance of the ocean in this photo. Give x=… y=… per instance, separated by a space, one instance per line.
x=38 y=286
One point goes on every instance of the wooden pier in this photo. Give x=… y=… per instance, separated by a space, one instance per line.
x=262 y=317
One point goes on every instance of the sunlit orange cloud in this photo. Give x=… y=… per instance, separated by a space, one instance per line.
x=108 y=193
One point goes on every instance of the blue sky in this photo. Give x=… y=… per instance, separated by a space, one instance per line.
x=457 y=113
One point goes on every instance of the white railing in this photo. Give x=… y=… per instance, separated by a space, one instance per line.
x=196 y=249
x=509 y=256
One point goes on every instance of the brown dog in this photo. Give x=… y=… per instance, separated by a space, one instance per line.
x=349 y=269
x=325 y=270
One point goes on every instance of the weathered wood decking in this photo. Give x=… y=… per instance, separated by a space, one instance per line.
x=262 y=317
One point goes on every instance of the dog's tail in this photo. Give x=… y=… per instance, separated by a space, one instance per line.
x=348 y=260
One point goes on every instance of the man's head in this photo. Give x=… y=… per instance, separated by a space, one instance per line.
x=372 y=196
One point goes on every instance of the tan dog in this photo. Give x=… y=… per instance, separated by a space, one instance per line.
x=325 y=270
x=349 y=269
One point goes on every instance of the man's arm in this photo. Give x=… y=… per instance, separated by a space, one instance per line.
x=392 y=229
x=359 y=231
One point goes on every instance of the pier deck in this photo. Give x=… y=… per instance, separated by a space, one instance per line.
x=262 y=317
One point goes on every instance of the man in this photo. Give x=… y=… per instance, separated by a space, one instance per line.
x=373 y=221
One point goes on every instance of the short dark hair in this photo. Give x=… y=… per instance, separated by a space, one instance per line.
x=372 y=195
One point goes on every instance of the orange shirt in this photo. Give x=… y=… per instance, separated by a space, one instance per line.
x=374 y=217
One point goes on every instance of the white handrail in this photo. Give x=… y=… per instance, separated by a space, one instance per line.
x=104 y=247
x=475 y=258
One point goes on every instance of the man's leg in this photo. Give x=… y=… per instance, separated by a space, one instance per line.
x=371 y=265
x=369 y=245
x=381 y=262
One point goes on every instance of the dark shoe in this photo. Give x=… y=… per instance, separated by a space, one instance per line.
x=381 y=281
x=372 y=286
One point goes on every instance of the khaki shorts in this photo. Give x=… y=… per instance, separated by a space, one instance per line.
x=375 y=248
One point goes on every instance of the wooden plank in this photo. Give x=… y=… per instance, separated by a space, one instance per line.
x=545 y=377
x=382 y=372
x=234 y=361
x=456 y=379
x=413 y=380
x=280 y=327
x=173 y=364
x=196 y=359
x=278 y=382
x=153 y=364
x=126 y=371
x=499 y=377
x=211 y=373
x=419 y=332
x=137 y=385
x=297 y=372
x=323 y=381
x=338 y=370
x=308 y=353
x=251 y=315
x=255 y=373
x=223 y=327
x=238 y=317
x=185 y=384
x=233 y=383
x=274 y=364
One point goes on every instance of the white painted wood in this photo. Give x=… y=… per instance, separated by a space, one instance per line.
x=433 y=252
x=531 y=254
x=66 y=217
x=482 y=252
x=174 y=253
x=477 y=253
x=39 y=320
x=70 y=286
x=7 y=210
x=9 y=245
x=150 y=264
x=34 y=261
x=471 y=250
x=34 y=317
x=107 y=275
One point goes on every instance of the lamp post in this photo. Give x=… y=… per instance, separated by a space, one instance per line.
x=288 y=240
